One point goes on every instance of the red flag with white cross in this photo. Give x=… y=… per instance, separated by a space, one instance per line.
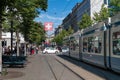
x=48 y=26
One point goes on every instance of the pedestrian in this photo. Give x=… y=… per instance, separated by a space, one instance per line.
x=36 y=50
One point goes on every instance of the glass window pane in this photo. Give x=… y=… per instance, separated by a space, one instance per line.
x=93 y=44
x=116 y=43
x=85 y=44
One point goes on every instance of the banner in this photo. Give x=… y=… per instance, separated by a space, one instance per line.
x=48 y=26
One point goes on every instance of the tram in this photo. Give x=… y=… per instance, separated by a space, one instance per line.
x=98 y=45
x=67 y=45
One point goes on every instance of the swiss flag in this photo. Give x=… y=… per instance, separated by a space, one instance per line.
x=48 y=26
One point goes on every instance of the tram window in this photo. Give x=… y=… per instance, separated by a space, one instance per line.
x=66 y=43
x=85 y=44
x=116 y=43
x=100 y=46
x=74 y=45
x=94 y=44
x=90 y=44
x=71 y=45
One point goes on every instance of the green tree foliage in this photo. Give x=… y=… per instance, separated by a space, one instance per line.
x=28 y=13
x=85 y=21
x=59 y=38
x=114 y=6
x=22 y=12
x=70 y=30
x=37 y=33
x=102 y=15
x=96 y=17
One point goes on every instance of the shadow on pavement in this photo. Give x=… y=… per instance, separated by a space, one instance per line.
x=105 y=73
x=12 y=74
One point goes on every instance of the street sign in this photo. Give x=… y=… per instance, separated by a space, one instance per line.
x=48 y=26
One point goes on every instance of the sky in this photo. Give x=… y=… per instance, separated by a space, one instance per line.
x=57 y=10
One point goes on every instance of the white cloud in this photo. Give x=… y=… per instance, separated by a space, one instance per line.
x=50 y=17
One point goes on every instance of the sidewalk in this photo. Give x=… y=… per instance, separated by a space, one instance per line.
x=86 y=71
x=25 y=73
x=79 y=70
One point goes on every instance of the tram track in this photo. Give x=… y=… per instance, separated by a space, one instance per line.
x=50 y=68
x=70 y=69
x=50 y=65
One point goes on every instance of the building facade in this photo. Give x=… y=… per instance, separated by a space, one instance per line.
x=58 y=30
x=6 y=38
x=86 y=6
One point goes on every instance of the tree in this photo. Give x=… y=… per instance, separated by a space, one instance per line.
x=85 y=21
x=70 y=31
x=59 y=38
x=114 y=6
x=24 y=10
x=102 y=15
x=28 y=13
x=37 y=34
x=96 y=17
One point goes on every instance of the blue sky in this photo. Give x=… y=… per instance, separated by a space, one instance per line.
x=57 y=10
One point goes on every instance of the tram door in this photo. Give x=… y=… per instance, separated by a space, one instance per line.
x=74 y=46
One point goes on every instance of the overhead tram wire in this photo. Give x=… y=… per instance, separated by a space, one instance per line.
x=64 y=9
x=55 y=13
x=66 y=6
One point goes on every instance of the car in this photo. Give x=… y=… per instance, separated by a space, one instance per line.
x=65 y=49
x=50 y=50
x=59 y=48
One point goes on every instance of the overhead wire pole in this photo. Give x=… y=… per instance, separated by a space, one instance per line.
x=11 y=25
x=0 y=45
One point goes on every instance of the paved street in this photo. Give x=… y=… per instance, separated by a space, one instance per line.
x=52 y=67
x=60 y=40
x=41 y=67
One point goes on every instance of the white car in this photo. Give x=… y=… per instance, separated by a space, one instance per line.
x=50 y=50
x=65 y=49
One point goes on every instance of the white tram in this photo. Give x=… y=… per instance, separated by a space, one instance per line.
x=97 y=45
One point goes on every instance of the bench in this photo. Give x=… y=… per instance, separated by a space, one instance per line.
x=13 y=60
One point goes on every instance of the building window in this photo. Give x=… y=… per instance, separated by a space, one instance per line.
x=105 y=1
